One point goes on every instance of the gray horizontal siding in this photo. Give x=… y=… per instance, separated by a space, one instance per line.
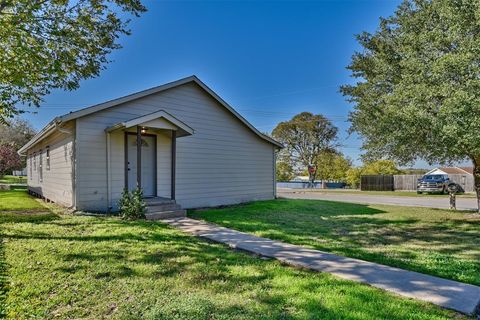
x=56 y=184
x=223 y=162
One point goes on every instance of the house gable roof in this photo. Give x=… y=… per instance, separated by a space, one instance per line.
x=467 y=169
x=111 y=103
x=144 y=93
x=182 y=127
x=453 y=170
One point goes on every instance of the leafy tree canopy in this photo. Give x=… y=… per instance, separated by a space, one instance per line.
x=17 y=133
x=333 y=166
x=284 y=171
x=305 y=137
x=53 y=44
x=380 y=167
x=9 y=159
x=371 y=168
x=12 y=137
x=353 y=176
x=418 y=89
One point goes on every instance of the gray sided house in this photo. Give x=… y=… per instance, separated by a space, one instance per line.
x=178 y=141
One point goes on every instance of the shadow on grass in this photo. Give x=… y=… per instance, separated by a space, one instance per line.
x=27 y=216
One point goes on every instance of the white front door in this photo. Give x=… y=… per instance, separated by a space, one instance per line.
x=148 y=164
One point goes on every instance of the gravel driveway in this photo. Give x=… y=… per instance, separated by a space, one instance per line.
x=431 y=202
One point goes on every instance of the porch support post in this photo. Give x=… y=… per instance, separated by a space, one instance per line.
x=139 y=157
x=173 y=157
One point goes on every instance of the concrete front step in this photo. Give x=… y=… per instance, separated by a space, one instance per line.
x=158 y=201
x=163 y=207
x=166 y=214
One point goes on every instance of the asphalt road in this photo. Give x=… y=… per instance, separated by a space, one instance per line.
x=430 y=202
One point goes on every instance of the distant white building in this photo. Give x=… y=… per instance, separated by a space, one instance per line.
x=301 y=179
x=20 y=173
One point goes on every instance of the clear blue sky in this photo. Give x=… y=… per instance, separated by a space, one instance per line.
x=269 y=60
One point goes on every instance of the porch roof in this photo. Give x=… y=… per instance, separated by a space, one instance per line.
x=156 y=120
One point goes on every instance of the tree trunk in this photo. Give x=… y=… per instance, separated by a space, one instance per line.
x=476 y=179
x=311 y=176
x=311 y=179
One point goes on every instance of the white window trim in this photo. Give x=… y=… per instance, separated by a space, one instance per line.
x=40 y=166
x=47 y=158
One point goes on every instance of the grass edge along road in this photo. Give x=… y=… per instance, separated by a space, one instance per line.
x=377 y=193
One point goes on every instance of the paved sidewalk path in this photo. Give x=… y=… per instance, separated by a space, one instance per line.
x=446 y=293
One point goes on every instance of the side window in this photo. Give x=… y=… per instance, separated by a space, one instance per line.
x=31 y=166
x=48 y=158
x=40 y=166
x=34 y=161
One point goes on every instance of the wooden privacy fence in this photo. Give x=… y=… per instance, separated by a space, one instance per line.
x=377 y=183
x=408 y=182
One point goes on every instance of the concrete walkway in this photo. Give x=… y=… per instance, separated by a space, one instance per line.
x=362 y=198
x=446 y=293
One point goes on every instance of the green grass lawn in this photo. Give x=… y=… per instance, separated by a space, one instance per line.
x=78 y=267
x=384 y=193
x=13 y=179
x=19 y=200
x=437 y=242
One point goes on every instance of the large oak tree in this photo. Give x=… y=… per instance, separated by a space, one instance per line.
x=305 y=137
x=54 y=44
x=418 y=89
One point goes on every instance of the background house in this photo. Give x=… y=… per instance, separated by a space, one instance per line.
x=452 y=170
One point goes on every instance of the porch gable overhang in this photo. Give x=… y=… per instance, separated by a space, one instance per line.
x=156 y=120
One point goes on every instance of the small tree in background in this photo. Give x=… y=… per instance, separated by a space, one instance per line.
x=17 y=132
x=371 y=168
x=333 y=166
x=284 y=171
x=9 y=159
x=305 y=137
x=353 y=177
x=380 y=167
